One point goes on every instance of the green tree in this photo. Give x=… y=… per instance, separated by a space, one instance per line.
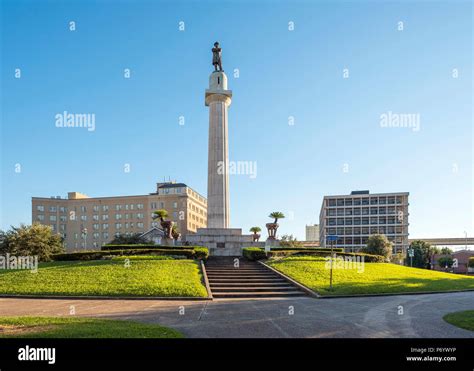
x=446 y=261
x=31 y=240
x=162 y=214
x=378 y=244
x=129 y=239
x=290 y=241
x=446 y=251
x=276 y=215
x=423 y=254
x=255 y=230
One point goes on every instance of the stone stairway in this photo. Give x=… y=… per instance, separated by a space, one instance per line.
x=249 y=280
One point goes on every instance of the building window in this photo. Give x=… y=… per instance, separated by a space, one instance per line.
x=118 y=216
x=118 y=207
x=175 y=205
x=105 y=235
x=140 y=225
x=40 y=217
x=105 y=216
x=140 y=216
x=95 y=226
x=96 y=208
x=105 y=226
x=95 y=217
x=83 y=209
x=153 y=205
x=118 y=225
x=40 y=208
x=62 y=209
x=105 y=208
x=84 y=218
x=52 y=218
x=63 y=218
x=140 y=206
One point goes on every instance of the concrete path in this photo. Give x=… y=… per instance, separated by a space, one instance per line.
x=371 y=317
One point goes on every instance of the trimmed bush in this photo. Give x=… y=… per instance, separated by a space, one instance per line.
x=368 y=258
x=144 y=246
x=201 y=253
x=471 y=262
x=321 y=249
x=254 y=253
x=196 y=253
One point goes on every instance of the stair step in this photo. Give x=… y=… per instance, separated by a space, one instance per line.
x=252 y=289
x=249 y=284
x=240 y=279
x=221 y=295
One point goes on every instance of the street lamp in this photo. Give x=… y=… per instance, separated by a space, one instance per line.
x=84 y=236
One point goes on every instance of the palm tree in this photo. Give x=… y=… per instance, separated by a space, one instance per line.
x=255 y=231
x=167 y=225
x=272 y=227
x=175 y=232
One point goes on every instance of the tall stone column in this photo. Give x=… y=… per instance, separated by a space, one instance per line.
x=218 y=99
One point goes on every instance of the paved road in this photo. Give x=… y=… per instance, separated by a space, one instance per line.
x=370 y=317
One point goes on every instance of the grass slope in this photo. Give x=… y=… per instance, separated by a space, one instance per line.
x=144 y=277
x=376 y=278
x=73 y=327
x=463 y=319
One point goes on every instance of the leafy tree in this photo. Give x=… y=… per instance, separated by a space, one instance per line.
x=255 y=229
x=276 y=215
x=31 y=240
x=162 y=214
x=129 y=239
x=423 y=254
x=446 y=261
x=446 y=251
x=378 y=244
x=290 y=241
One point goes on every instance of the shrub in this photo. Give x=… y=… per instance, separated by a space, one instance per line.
x=316 y=249
x=254 y=253
x=378 y=244
x=446 y=261
x=201 y=253
x=471 y=262
x=144 y=246
x=368 y=258
x=29 y=240
x=132 y=239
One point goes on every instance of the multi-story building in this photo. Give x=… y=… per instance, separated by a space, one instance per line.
x=312 y=233
x=90 y=222
x=353 y=218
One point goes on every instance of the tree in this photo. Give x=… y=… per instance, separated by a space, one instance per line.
x=273 y=227
x=423 y=254
x=378 y=244
x=446 y=261
x=31 y=240
x=290 y=241
x=255 y=231
x=167 y=225
x=129 y=239
x=446 y=251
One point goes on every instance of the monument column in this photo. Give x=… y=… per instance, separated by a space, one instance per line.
x=218 y=99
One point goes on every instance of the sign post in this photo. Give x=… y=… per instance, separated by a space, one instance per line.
x=331 y=238
x=411 y=253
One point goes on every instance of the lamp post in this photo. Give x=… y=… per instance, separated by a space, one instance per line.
x=465 y=236
x=84 y=236
x=331 y=239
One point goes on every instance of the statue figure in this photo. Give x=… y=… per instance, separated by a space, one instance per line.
x=217 y=57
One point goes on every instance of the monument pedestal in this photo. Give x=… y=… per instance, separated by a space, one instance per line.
x=222 y=241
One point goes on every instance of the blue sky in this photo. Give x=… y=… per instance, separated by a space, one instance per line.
x=282 y=73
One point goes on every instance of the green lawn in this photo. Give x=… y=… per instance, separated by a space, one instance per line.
x=463 y=319
x=375 y=279
x=74 y=327
x=144 y=277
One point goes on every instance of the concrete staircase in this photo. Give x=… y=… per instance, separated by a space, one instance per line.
x=249 y=280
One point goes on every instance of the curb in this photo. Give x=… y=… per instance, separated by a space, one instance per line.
x=53 y=297
x=206 y=281
x=302 y=287
x=393 y=294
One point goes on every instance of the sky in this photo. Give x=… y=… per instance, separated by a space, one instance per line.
x=311 y=83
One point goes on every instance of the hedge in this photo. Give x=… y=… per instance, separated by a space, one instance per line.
x=315 y=249
x=254 y=253
x=200 y=253
x=368 y=258
x=144 y=246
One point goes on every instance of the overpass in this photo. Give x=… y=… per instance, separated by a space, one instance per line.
x=447 y=241
x=443 y=241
